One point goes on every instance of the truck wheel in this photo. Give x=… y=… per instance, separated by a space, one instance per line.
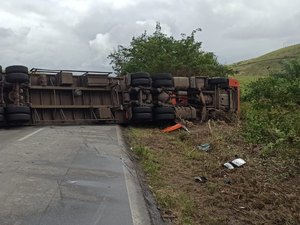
x=17 y=109
x=163 y=83
x=142 y=109
x=141 y=82
x=162 y=76
x=164 y=110
x=16 y=69
x=142 y=117
x=20 y=117
x=7 y=85
x=16 y=77
x=139 y=75
x=2 y=118
x=166 y=116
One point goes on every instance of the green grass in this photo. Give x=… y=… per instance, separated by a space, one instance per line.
x=268 y=63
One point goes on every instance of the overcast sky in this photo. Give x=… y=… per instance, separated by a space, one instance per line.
x=79 y=34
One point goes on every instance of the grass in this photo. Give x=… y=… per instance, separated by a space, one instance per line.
x=264 y=191
x=268 y=63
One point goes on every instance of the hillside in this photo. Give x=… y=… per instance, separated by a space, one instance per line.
x=270 y=62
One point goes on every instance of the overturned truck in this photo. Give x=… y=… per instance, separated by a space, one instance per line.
x=41 y=96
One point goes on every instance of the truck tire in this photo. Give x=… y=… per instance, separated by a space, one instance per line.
x=16 y=69
x=17 y=109
x=8 y=85
x=166 y=116
x=18 y=117
x=163 y=83
x=141 y=82
x=142 y=116
x=16 y=77
x=2 y=117
x=139 y=75
x=162 y=76
x=164 y=110
x=142 y=109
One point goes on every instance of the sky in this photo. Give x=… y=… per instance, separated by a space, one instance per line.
x=80 y=34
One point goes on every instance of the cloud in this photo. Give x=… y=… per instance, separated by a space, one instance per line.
x=79 y=34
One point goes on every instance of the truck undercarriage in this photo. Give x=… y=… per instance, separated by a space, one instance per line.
x=41 y=96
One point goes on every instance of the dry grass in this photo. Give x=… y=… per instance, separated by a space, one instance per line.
x=264 y=191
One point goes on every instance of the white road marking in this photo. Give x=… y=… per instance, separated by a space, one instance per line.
x=29 y=135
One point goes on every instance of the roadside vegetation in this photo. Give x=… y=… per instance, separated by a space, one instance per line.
x=160 y=53
x=272 y=111
x=266 y=189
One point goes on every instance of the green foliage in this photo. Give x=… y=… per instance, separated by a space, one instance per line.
x=273 y=113
x=161 y=53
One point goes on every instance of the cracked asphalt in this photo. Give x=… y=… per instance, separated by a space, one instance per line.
x=68 y=175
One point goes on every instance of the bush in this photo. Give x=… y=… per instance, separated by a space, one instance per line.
x=272 y=116
x=159 y=52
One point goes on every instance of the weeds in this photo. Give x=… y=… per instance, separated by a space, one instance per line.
x=265 y=190
x=272 y=114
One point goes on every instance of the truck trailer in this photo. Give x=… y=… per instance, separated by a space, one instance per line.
x=52 y=97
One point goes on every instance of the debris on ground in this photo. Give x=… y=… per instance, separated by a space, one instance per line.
x=266 y=190
x=174 y=127
x=204 y=147
x=234 y=163
x=238 y=162
x=200 y=179
x=228 y=166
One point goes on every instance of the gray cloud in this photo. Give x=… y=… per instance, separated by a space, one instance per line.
x=79 y=34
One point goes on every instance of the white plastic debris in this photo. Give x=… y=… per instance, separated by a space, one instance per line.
x=238 y=162
x=228 y=166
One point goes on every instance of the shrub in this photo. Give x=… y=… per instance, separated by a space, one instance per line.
x=272 y=116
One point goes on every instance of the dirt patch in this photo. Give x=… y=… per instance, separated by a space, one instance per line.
x=263 y=191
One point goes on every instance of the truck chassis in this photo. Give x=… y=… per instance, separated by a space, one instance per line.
x=42 y=96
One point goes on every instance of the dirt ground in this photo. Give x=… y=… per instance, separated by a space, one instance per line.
x=265 y=190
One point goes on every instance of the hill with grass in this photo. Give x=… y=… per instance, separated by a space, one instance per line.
x=268 y=63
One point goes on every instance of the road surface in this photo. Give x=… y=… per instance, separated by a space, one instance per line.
x=68 y=175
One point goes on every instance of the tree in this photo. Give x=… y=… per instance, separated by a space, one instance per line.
x=158 y=53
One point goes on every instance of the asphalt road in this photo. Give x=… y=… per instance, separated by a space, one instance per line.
x=72 y=175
